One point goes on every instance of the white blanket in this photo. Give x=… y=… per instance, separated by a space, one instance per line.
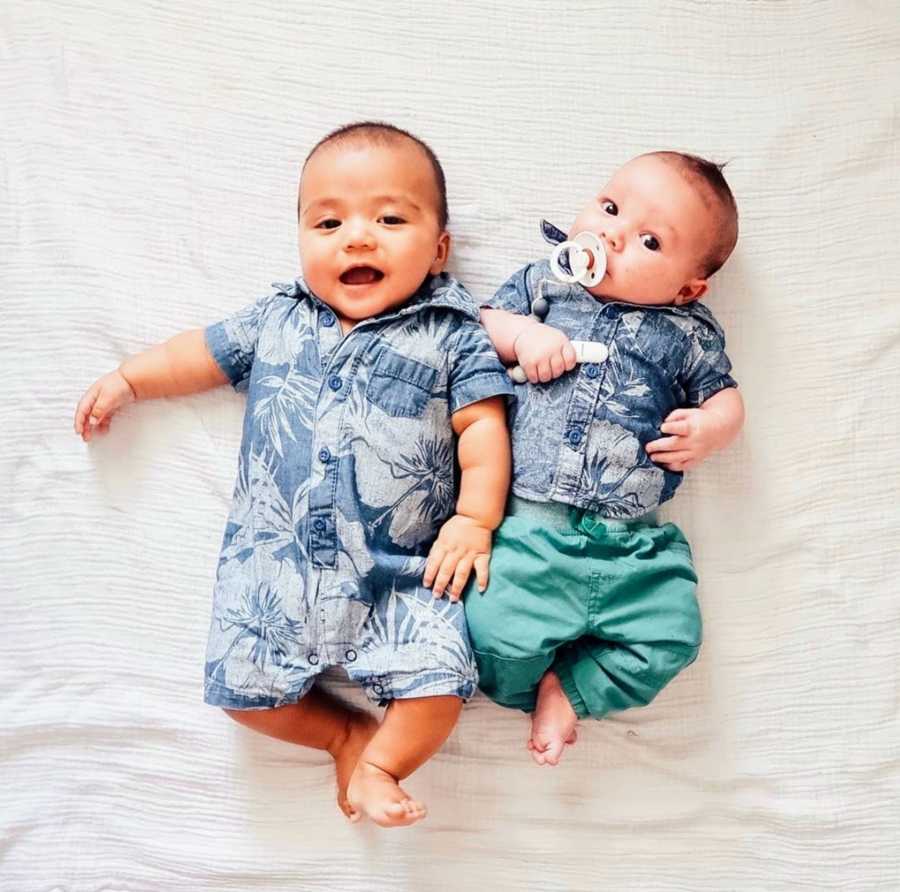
x=150 y=156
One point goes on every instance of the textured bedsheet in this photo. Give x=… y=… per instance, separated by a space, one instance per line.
x=148 y=161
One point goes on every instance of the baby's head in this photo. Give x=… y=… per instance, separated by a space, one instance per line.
x=372 y=214
x=668 y=221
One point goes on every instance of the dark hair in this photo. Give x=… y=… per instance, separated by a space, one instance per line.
x=381 y=133
x=708 y=174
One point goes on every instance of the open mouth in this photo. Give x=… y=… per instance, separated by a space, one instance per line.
x=361 y=275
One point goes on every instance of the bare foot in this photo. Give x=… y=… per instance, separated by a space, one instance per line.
x=376 y=793
x=361 y=729
x=553 y=722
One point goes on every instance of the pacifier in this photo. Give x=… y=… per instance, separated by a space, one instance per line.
x=581 y=259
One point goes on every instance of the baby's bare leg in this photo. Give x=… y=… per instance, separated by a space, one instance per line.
x=412 y=731
x=320 y=722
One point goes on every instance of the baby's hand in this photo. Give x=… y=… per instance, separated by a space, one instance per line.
x=544 y=352
x=100 y=402
x=461 y=545
x=695 y=435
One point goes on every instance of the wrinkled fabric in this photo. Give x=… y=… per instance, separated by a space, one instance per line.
x=580 y=438
x=346 y=472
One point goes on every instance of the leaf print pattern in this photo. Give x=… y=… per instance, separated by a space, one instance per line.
x=580 y=439
x=336 y=503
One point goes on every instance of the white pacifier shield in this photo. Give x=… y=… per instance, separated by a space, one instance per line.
x=581 y=249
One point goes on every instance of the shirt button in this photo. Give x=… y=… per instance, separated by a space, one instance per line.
x=574 y=436
x=592 y=370
x=324 y=454
x=351 y=655
x=327 y=320
x=313 y=659
x=334 y=382
x=319 y=525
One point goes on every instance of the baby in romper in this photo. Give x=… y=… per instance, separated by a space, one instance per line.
x=368 y=379
x=591 y=606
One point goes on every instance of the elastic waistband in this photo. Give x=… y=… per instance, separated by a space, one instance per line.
x=560 y=514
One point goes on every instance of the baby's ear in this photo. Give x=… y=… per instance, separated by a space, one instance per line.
x=693 y=290
x=442 y=254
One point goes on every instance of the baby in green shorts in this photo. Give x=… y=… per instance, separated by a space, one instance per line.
x=591 y=604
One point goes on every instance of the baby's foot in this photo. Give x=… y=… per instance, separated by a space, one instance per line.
x=377 y=794
x=361 y=728
x=553 y=722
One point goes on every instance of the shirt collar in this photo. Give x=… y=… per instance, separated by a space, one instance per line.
x=441 y=290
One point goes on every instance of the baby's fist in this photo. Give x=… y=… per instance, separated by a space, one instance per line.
x=544 y=353
x=100 y=402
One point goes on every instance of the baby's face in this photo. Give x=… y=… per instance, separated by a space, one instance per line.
x=656 y=229
x=369 y=230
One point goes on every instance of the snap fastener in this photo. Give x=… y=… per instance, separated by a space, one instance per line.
x=313 y=659
x=319 y=525
x=324 y=454
x=591 y=370
x=328 y=320
x=377 y=688
x=334 y=382
x=574 y=436
x=350 y=655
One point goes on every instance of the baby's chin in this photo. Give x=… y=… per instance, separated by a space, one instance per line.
x=605 y=291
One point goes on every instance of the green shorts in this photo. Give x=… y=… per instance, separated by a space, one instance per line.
x=609 y=605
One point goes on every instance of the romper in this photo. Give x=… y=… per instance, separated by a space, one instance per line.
x=346 y=472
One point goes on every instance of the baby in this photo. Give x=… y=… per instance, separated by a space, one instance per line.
x=361 y=375
x=591 y=606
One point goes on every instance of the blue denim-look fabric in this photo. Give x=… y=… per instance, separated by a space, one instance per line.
x=580 y=439
x=346 y=472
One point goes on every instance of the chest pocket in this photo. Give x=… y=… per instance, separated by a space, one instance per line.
x=400 y=386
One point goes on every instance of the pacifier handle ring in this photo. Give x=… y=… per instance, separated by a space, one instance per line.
x=556 y=267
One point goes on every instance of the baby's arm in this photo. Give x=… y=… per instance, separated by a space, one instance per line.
x=180 y=366
x=694 y=434
x=464 y=541
x=543 y=352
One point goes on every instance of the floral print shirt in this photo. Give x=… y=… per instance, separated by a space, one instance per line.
x=580 y=439
x=346 y=469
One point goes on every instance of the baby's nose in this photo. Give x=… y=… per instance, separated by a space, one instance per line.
x=613 y=238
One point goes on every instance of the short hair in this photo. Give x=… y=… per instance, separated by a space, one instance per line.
x=381 y=133
x=708 y=175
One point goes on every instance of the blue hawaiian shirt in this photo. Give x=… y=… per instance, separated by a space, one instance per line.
x=580 y=439
x=346 y=473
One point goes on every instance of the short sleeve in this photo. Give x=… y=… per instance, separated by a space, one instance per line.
x=514 y=295
x=475 y=371
x=707 y=368
x=232 y=342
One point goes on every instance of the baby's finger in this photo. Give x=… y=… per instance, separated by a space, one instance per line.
x=432 y=565
x=448 y=565
x=83 y=408
x=678 y=415
x=569 y=356
x=460 y=577
x=668 y=458
x=665 y=444
x=531 y=372
x=680 y=428
x=482 y=577
x=557 y=365
x=545 y=373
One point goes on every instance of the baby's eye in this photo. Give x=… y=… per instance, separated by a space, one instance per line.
x=392 y=220
x=330 y=223
x=609 y=207
x=650 y=242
